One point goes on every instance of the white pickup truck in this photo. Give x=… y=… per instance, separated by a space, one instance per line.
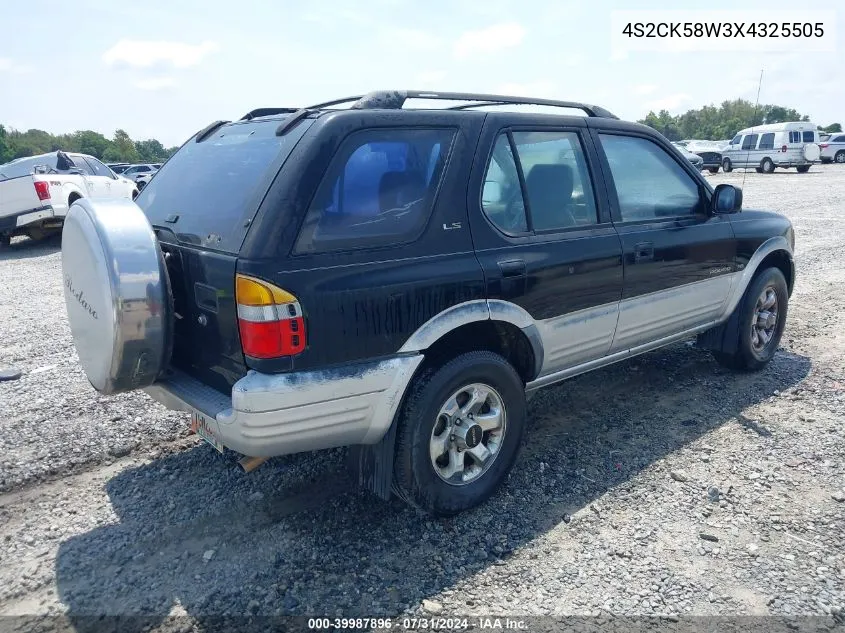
x=36 y=192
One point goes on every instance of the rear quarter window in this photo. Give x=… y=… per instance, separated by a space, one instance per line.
x=379 y=189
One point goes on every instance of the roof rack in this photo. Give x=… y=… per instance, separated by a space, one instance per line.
x=253 y=114
x=395 y=99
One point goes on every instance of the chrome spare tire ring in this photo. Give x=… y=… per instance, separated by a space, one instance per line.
x=468 y=434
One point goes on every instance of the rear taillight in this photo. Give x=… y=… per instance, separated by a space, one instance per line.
x=783 y=148
x=42 y=188
x=269 y=319
x=824 y=145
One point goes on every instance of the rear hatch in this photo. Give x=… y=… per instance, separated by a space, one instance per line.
x=201 y=204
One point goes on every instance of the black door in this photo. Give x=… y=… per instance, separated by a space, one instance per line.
x=544 y=238
x=679 y=257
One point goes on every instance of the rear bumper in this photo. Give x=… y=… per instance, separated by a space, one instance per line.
x=279 y=414
x=9 y=223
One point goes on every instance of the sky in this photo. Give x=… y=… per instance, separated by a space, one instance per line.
x=164 y=69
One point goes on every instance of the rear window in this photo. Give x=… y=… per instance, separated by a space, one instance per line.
x=210 y=190
x=379 y=189
x=27 y=166
x=809 y=137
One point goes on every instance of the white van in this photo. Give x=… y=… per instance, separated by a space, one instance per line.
x=764 y=147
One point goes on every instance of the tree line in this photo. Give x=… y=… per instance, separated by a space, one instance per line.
x=118 y=149
x=723 y=122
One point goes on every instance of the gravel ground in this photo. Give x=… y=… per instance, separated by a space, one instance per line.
x=661 y=485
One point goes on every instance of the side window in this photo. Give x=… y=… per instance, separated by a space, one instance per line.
x=795 y=137
x=379 y=189
x=80 y=164
x=749 y=142
x=736 y=139
x=97 y=167
x=838 y=139
x=649 y=182
x=809 y=136
x=767 y=141
x=501 y=197
x=557 y=182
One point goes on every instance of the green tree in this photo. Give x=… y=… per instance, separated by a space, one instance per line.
x=90 y=142
x=6 y=151
x=150 y=151
x=122 y=149
x=833 y=128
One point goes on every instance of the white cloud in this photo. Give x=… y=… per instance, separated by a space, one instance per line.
x=644 y=89
x=489 y=40
x=148 y=53
x=154 y=84
x=669 y=102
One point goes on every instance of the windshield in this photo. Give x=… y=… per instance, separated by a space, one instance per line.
x=209 y=191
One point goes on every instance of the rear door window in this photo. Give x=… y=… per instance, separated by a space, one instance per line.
x=97 y=167
x=809 y=136
x=213 y=188
x=379 y=189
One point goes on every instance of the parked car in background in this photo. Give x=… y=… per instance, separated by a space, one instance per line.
x=695 y=159
x=710 y=153
x=36 y=192
x=137 y=170
x=766 y=147
x=833 y=149
x=118 y=168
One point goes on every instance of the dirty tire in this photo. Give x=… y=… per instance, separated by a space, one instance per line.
x=746 y=357
x=767 y=166
x=840 y=156
x=727 y=166
x=803 y=169
x=713 y=170
x=414 y=477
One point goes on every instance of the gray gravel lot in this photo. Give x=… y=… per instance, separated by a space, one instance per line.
x=661 y=485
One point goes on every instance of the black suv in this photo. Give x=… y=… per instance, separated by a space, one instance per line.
x=398 y=279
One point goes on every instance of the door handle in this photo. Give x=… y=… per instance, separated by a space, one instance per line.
x=644 y=251
x=512 y=268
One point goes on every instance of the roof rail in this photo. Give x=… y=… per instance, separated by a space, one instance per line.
x=252 y=114
x=395 y=99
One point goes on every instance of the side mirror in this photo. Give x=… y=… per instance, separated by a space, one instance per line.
x=727 y=199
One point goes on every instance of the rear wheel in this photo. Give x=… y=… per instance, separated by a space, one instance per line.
x=840 y=156
x=767 y=166
x=727 y=166
x=803 y=169
x=761 y=321
x=713 y=170
x=459 y=433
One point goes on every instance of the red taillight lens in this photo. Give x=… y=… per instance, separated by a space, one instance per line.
x=783 y=148
x=824 y=145
x=42 y=189
x=269 y=319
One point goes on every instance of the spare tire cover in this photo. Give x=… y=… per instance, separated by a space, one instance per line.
x=812 y=152
x=117 y=294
